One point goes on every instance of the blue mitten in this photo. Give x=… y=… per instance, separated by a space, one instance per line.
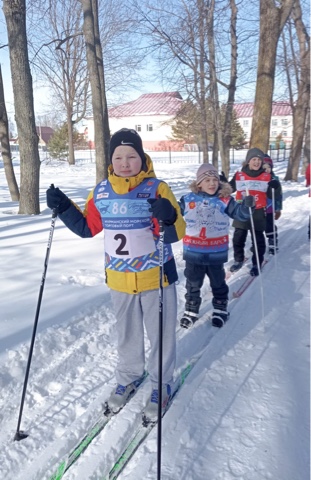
x=162 y=209
x=56 y=199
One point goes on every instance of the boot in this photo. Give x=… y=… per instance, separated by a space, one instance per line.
x=191 y=314
x=236 y=266
x=254 y=271
x=220 y=314
x=151 y=411
x=188 y=319
x=121 y=395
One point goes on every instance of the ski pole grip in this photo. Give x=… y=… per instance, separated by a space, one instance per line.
x=55 y=211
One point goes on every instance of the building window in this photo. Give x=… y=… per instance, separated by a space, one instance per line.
x=138 y=128
x=274 y=122
x=149 y=127
x=245 y=123
x=284 y=122
x=274 y=133
x=284 y=133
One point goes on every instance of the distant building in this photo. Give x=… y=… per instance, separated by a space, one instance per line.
x=281 y=124
x=151 y=115
x=44 y=133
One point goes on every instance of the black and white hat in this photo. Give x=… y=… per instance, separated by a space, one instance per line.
x=130 y=137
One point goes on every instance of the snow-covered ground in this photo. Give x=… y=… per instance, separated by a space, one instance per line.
x=243 y=412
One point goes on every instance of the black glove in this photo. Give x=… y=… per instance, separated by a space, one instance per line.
x=223 y=177
x=249 y=201
x=56 y=199
x=274 y=184
x=162 y=209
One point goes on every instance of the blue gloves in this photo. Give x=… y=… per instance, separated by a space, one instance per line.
x=274 y=184
x=162 y=209
x=249 y=201
x=56 y=199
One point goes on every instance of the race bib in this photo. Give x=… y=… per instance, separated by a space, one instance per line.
x=127 y=244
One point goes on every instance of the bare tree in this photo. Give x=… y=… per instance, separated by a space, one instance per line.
x=187 y=37
x=97 y=80
x=177 y=32
x=124 y=51
x=229 y=112
x=301 y=106
x=5 y=146
x=213 y=87
x=15 y=16
x=272 y=21
x=61 y=59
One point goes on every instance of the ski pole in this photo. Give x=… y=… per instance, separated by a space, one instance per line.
x=159 y=442
x=274 y=227
x=256 y=254
x=20 y=435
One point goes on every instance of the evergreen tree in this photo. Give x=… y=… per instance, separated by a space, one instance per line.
x=58 y=144
x=237 y=134
x=187 y=126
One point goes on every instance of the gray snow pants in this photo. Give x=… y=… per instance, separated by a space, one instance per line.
x=132 y=313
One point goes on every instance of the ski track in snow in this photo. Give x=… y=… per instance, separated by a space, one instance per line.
x=72 y=373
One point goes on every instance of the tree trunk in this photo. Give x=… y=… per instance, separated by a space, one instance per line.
x=302 y=105
x=71 y=153
x=225 y=164
x=272 y=19
x=100 y=64
x=213 y=85
x=96 y=78
x=5 y=146
x=202 y=87
x=15 y=16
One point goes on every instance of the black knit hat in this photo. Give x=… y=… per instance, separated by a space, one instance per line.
x=254 y=152
x=130 y=137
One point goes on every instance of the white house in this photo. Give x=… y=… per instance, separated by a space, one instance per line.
x=151 y=115
x=281 y=121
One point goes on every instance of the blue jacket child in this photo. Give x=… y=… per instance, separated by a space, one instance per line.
x=206 y=211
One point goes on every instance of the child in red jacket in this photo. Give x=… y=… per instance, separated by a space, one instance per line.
x=307 y=174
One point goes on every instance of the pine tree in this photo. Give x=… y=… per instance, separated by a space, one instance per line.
x=58 y=144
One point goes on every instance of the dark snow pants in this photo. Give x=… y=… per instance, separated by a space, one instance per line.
x=239 y=240
x=195 y=274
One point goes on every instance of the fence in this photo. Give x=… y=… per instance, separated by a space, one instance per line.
x=236 y=156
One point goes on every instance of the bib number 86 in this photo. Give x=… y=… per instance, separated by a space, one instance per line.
x=116 y=208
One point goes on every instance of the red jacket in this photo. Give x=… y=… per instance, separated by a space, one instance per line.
x=308 y=175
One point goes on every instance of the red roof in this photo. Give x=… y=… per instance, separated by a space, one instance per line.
x=149 y=104
x=278 y=109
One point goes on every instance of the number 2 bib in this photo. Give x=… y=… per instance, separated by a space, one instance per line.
x=130 y=244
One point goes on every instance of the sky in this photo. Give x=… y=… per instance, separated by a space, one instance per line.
x=243 y=412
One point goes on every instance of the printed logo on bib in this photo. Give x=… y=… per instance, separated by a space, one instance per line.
x=143 y=195
x=102 y=195
x=259 y=186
